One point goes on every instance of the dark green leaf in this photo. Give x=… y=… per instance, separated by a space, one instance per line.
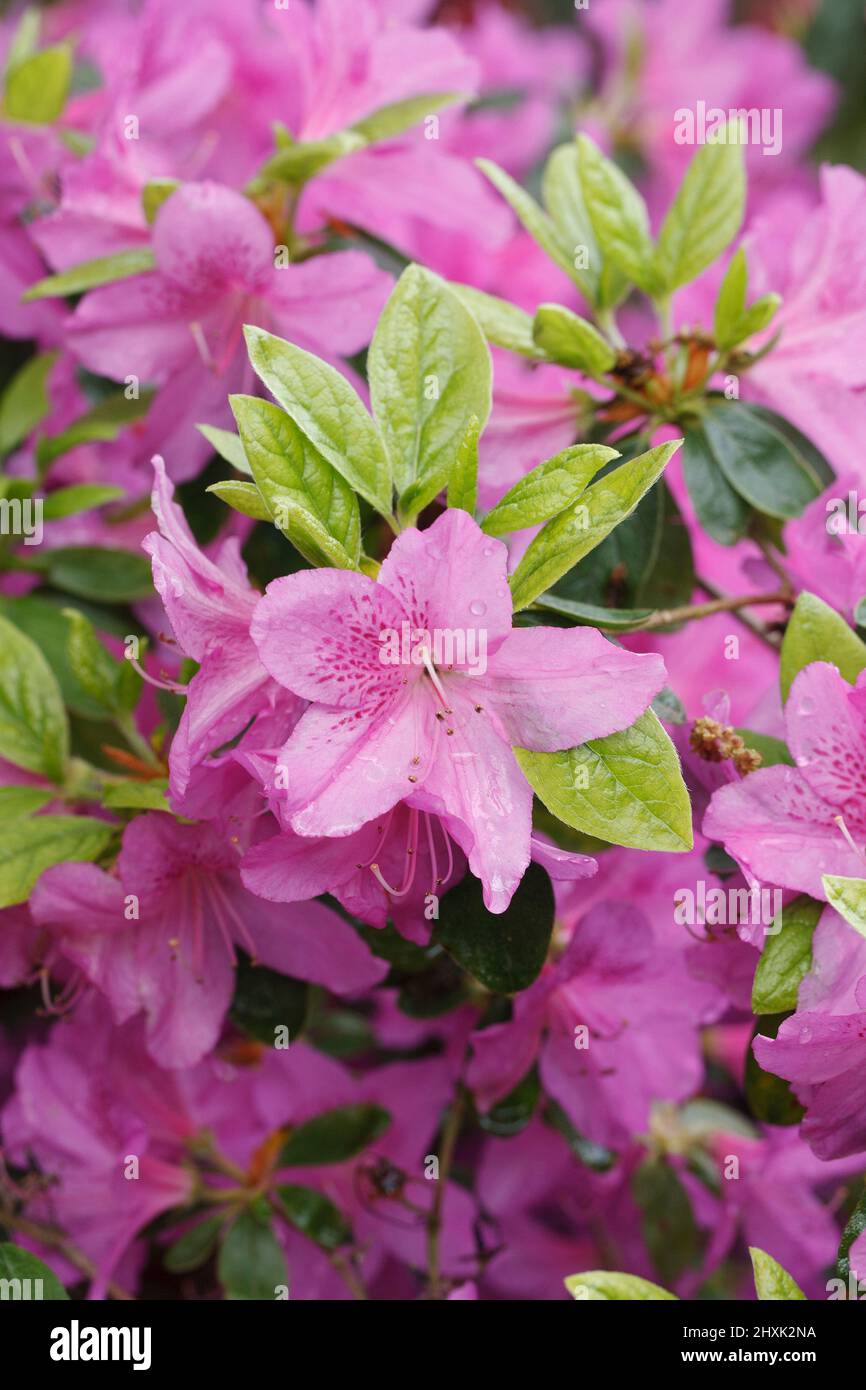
x=334 y=1136
x=505 y=951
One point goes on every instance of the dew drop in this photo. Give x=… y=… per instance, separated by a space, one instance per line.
x=477 y=608
x=805 y=1034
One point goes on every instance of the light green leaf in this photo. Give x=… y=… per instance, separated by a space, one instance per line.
x=627 y=788
x=37 y=88
x=33 y=727
x=16 y=802
x=137 y=796
x=79 y=497
x=328 y=411
x=398 y=116
x=603 y=1285
x=25 y=38
x=105 y=270
x=583 y=525
x=548 y=489
x=154 y=194
x=500 y=322
x=536 y=221
x=601 y=283
x=93 y=667
x=242 y=497
x=16 y=1265
x=228 y=446
x=429 y=371
x=24 y=402
x=786 y=958
x=731 y=301
x=94 y=572
x=295 y=163
x=29 y=847
x=571 y=340
x=848 y=896
x=816 y=632
x=463 y=482
x=706 y=213
x=105 y=421
x=618 y=215
x=310 y=502
x=772 y=1282
x=758 y=315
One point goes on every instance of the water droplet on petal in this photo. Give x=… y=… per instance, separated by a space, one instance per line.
x=477 y=608
x=806 y=705
x=805 y=1034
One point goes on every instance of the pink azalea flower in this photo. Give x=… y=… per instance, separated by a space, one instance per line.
x=790 y=825
x=821 y=1048
x=380 y=731
x=614 y=1023
x=823 y=554
x=209 y=604
x=160 y=938
x=180 y=326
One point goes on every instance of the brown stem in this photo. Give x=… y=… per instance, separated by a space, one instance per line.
x=450 y=1134
x=663 y=617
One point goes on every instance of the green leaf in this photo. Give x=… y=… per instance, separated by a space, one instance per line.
x=511 y=1114
x=536 y=221
x=16 y=802
x=30 y=847
x=601 y=283
x=505 y=951
x=668 y=1224
x=854 y=1228
x=772 y=1282
x=195 y=1246
x=295 y=163
x=591 y=615
x=44 y=623
x=769 y=1098
x=548 y=489
x=310 y=501
x=24 y=402
x=758 y=316
x=137 y=796
x=242 y=497
x=105 y=421
x=80 y=497
x=228 y=446
x=759 y=462
x=17 y=1264
x=811 y=456
x=265 y=1001
x=731 y=301
x=463 y=481
x=720 y=509
x=327 y=411
x=154 y=194
x=706 y=213
x=105 y=270
x=816 y=632
x=598 y=1285
x=37 y=88
x=251 y=1262
x=33 y=728
x=334 y=1136
x=398 y=116
x=500 y=322
x=583 y=525
x=314 y=1214
x=25 y=38
x=430 y=373
x=627 y=788
x=786 y=958
x=618 y=215
x=94 y=668
x=571 y=340
x=91 y=572
x=848 y=896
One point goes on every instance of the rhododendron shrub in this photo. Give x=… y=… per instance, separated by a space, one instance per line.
x=432 y=653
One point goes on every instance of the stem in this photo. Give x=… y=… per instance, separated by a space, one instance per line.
x=606 y=320
x=47 y=1235
x=450 y=1133
x=663 y=617
x=125 y=725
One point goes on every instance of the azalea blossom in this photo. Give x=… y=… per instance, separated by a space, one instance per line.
x=378 y=733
